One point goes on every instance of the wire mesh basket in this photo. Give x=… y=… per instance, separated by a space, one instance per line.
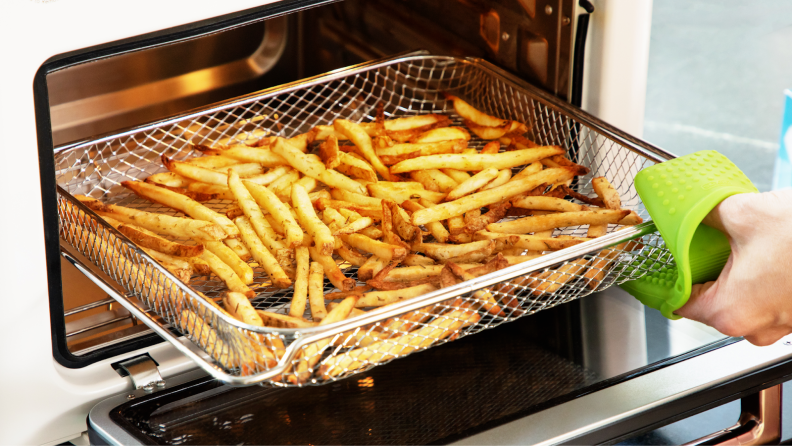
x=238 y=353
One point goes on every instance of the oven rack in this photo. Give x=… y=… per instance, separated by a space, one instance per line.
x=235 y=352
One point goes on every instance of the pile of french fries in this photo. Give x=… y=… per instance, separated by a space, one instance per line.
x=406 y=201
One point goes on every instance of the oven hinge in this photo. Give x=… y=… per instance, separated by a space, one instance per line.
x=143 y=371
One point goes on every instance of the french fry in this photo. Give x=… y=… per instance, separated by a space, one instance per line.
x=356 y=167
x=542 y=203
x=518 y=141
x=560 y=277
x=277 y=320
x=561 y=220
x=486 y=298
x=364 y=210
x=350 y=255
x=322 y=132
x=238 y=248
x=362 y=141
x=226 y=274
x=179 y=268
x=382 y=250
x=527 y=171
x=355 y=226
x=382 y=298
x=606 y=192
x=321 y=234
x=169 y=179
x=437 y=229
x=398 y=152
x=337 y=180
x=307 y=165
x=631 y=219
x=332 y=271
x=220 y=192
x=475 y=182
x=351 y=197
x=503 y=177
x=470 y=113
x=299 y=298
x=162 y=224
x=443 y=252
x=282 y=186
x=442 y=134
x=311 y=353
x=495 y=195
x=531 y=242
x=411 y=273
x=195 y=173
x=261 y=254
x=503 y=160
x=147 y=239
x=182 y=203
x=417 y=260
x=212 y=162
x=267 y=200
x=329 y=153
x=490 y=133
x=244 y=170
x=230 y=258
x=434 y=180
x=316 y=292
x=399 y=195
x=369 y=269
x=458 y=175
x=206 y=337
x=561 y=161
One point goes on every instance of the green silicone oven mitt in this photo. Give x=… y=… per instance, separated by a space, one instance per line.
x=678 y=195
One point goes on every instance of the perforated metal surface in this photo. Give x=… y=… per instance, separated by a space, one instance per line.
x=406 y=86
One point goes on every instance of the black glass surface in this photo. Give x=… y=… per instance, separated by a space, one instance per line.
x=435 y=396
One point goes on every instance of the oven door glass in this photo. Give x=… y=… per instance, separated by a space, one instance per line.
x=436 y=396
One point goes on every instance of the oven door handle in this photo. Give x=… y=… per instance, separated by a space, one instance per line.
x=760 y=422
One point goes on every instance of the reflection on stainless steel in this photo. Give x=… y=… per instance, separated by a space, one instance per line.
x=143 y=371
x=760 y=421
x=109 y=94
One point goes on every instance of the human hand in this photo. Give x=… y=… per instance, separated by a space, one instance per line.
x=752 y=297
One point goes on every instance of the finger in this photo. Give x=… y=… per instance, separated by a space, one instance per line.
x=700 y=303
x=768 y=336
x=715 y=218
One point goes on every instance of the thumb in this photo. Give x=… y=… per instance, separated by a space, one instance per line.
x=698 y=305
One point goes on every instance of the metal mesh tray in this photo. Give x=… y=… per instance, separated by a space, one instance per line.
x=233 y=351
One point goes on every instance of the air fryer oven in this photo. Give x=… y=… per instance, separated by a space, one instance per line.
x=581 y=373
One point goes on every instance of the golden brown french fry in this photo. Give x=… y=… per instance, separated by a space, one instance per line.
x=401 y=222
x=316 y=292
x=478 y=200
x=527 y=171
x=371 y=268
x=239 y=307
x=212 y=162
x=282 y=186
x=475 y=182
x=411 y=273
x=467 y=111
x=162 y=224
x=561 y=276
x=329 y=153
x=331 y=270
x=459 y=176
x=278 y=320
x=227 y=274
x=382 y=250
x=434 y=180
x=337 y=180
x=607 y=192
x=195 y=173
x=351 y=197
x=503 y=160
x=299 y=298
x=631 y=219
x=355 y=226
x=267 y=200
x=561 y=220
x=261 y=254
x=312 y=353
x=179 y=268
x=169 y=179
x=381 y=298
x=518 y=141
x=230 y=258
x=531 y=242
x=442 y=134
x=244 y=170
x=487 y=300
x=490 y=133
x=443 y=252
x=238 y=248
x=147 y=239
x=322 y=236
x=182 y=203
x=503 y=177
x=362 y=141
x=219 y=192
x=356 y=167
x=542 y=203
x=417 y=260
x=206 y=338
x=437 y=229
x=399 y=195
x=351 y=255
x=398 y=152
x=364 y=210
x=322 y=132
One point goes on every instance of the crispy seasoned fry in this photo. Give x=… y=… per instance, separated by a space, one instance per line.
x=503 y=160
x=399 y=195
x=382 y=250
x=206 y=337
x=475 y=182
x=329 y=152
x=337 y=180
x=238 y=247
x=227 y=274
x=405 y=129
x=316 y=292
x=578 y=196
x=519 y=142
x=195 y=173
x=356 y=167
x=351 y=197
x=182 y=203
x=631 y=219
x=434 y=180
x=543 y=203
x=399 y=152
x=179 y=268
x=503 y=177
x=560 y=277
x=527 y=171
x=486 y=298
x=381 y=298
x=212 y=162
x=355 y=226
x=312 y=353
x=437 y=229
x=297 y=306
x=332 y=271
x=443 y=252
x=470 y=113
x=306 y=164
x=147 y=239
x=442 y=134
x=417 y=260
x=457 y=175
x=481 y=199
x=531 y=242
x=372 y=266
x=606 y=192
x=277 y=320
x=490 y=133
x=364 y=210
x=561 y=220
x=261 y=254
x=321 y=234
x=362 y=141
x=280 y=212
x=162 y=224
x=229 y=257
x=351 y=255
x=169 y=179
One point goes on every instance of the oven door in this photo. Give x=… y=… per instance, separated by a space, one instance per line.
x=536 y=380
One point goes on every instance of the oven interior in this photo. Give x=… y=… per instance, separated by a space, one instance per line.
x=532 y=38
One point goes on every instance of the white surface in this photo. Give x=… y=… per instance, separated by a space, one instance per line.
x=41 y=402
x=617 y=60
